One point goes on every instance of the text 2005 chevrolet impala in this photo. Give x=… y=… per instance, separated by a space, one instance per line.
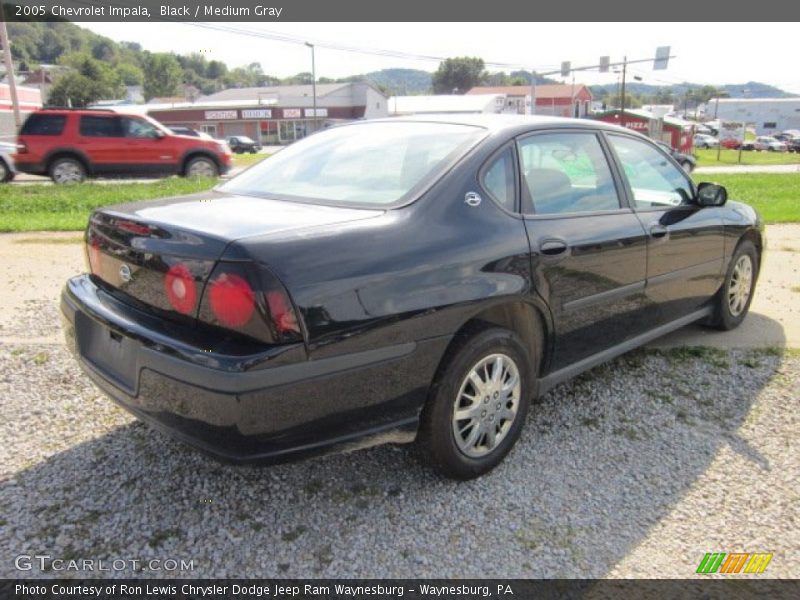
x=400 y=280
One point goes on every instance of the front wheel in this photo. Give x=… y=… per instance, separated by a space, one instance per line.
x=201 y=167
x=478 y=405
x=733 y=300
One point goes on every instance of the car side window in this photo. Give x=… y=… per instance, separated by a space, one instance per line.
x=100 y=126
x=654 y=180
x=498 y=179
x=138 y=128
x=566 y=173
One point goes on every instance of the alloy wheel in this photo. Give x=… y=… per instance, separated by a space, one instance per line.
x=740 y=285
x=486 y=405
x=202 y=168
x=67 y=172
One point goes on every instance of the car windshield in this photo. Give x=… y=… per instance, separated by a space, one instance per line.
x=243 y=139
x=379 y=163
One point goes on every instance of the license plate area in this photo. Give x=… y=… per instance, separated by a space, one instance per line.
x=108 y=352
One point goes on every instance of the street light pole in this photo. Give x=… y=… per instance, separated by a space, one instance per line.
x=313 y=82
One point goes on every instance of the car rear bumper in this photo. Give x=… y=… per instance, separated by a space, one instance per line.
x=264 y=408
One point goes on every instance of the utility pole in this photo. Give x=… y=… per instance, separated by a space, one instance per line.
x=12 y=83
x=622 y=109
x=533 y=92
x=313 y=83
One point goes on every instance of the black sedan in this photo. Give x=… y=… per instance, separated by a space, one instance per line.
x=402 y=280
x=241 y=144
x=688 y=162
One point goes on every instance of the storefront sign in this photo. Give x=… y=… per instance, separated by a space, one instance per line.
x=321 y=112
x=257 y=113
x=218 y=115
x=292 y=113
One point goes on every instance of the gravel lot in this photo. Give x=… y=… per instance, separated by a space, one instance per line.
x=633 y=470
x=636 y=469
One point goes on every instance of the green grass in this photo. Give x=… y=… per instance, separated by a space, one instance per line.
x=245 y=160
x=775 y=195
x=41 y=207
x=708 y=158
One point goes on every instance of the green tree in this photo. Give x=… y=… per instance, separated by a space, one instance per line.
x=163 y=76
x=458 y=75
x=130 y=74
x=76 y=90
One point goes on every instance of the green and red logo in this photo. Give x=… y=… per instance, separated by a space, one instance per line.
x=743 y=562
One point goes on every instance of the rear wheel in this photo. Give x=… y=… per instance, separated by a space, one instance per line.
x=67 y=170
x=477 y=408
x=733 y=300
x=201 y=167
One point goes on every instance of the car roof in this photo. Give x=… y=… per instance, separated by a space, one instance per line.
x=499 y=122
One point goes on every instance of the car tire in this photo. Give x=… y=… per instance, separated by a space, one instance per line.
x=732 y=301
x=201 y=166
x=466 y=448
x=67 y=170
x=5 y=173
x=253 y=150
x=687 y=166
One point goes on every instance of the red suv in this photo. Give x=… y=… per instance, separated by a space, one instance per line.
x=72 y=144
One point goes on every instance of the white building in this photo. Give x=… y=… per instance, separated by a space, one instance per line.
x=768 y=115
x=448 y=104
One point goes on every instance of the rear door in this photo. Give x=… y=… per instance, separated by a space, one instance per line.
x=101 y=139
x=685 y=244
x=588 y=248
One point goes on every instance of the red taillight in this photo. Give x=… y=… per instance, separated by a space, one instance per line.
x=232 y=300
x=132 y=227
x=94 y=255
x=282 y=312
x=181 y=289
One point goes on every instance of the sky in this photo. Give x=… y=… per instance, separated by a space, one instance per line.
x=713 y=53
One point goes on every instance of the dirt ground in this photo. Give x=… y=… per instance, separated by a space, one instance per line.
x=34 y=267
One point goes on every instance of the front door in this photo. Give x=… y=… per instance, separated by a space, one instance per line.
x=146 y=151
x=685 y=241
x=588 y=249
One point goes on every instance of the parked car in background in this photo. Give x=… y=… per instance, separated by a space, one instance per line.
x=7 y=168
x=688 y=162
x=793 y=145
x=769 y=143
x=730 y=143
x=70 y=145
x=408 y=279
x=241 y=144
x=190 y=132
x=702 y=140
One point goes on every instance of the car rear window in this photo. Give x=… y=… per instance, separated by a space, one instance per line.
x=39 y=124
x=100 y=126
x=366 y=164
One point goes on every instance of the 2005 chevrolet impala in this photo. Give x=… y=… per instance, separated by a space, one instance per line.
x=402 y=280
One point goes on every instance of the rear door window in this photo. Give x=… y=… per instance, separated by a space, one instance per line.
x=566 y=173
x=41 y=124
x=91 y=126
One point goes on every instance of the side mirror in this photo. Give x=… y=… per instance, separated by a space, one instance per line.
x=711 y=194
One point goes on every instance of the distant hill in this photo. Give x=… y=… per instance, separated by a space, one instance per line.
x=401 y=82
x=751 y=89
